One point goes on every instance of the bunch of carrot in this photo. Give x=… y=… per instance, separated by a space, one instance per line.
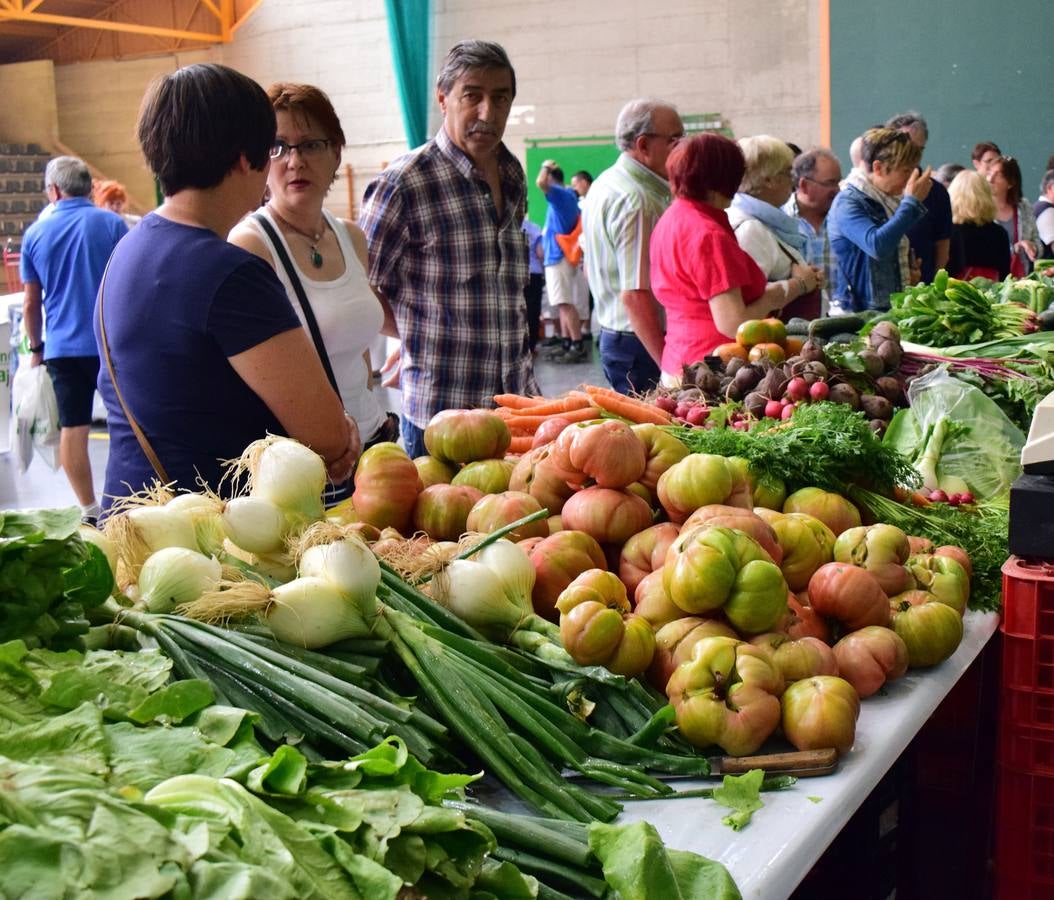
x=525 y=415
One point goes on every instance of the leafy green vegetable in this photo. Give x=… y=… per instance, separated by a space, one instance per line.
x=48 y=576
x=638 y=867
x=813 y=799
x=825 y=445
x=741 y=794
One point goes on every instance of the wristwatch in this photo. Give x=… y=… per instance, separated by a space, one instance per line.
x=39 y=348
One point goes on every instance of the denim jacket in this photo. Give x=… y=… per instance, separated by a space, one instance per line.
x=866 y=245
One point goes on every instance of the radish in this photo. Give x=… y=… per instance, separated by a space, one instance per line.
x=938 y=496
x=966 y=497
x=681 y=410
x=788 y=411
x=955 y=499
x=797 y=388
x=666 y=402
x=819 y=390
x=697 y=415
x=773 y=409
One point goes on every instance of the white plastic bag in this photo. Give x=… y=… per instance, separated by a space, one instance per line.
x=35 y=417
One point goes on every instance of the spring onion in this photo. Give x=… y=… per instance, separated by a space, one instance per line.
x=255 y=524
x=139 y=531
x=285 y=472
x=175 y=575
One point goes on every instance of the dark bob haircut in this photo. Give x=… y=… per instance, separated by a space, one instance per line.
x=1012 y=173
x=196 y=123
x=703 y=163
x=307 y=100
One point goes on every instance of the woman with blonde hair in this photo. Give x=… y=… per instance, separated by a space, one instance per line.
x=769 y=236
x=979 y=247
x=870 y=218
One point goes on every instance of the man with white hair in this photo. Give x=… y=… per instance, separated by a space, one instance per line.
x=618 y=215
x=63 y=259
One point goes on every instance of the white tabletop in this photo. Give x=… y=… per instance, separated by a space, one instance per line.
x=775 y=852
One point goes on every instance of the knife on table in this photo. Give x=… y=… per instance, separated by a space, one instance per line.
x=800 y=763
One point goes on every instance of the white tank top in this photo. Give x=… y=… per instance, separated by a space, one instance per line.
x=349 y=319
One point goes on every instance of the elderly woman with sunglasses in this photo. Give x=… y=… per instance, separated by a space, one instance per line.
x=870 y=218
x=763 y=229
x=320 y=259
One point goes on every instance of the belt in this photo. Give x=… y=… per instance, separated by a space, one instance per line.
x=616 y=331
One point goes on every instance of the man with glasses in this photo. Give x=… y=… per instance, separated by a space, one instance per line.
x=930 y=237
x=443 y=228
x=618 y=215
x=817 y=176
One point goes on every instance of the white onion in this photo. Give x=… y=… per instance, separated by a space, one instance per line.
x=477 y=596
x=255 y=524
x=291 y=476
x=513 y=568
x=159 y=527
x=313 y=612
x=175 y=575
x=348 y=564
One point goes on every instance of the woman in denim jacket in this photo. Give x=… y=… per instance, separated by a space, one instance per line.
x=869 y=221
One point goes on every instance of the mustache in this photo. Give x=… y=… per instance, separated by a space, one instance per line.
x=481 y=128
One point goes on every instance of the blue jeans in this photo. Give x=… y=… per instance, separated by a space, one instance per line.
x=413 y=439
x=627 y=366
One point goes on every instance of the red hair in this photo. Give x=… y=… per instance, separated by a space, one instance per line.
x=308 y=100
x=107 y=192
x=704 y=163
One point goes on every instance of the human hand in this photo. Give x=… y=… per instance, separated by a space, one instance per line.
x=808 y=276
x=392 y=365
x=36 y=359
x=919 y=184
x=821 y=276
x=1028 y=247
x=915 y=267
x=342 y=468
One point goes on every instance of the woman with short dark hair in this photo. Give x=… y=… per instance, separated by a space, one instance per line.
x=198 y=334
x=706 y=282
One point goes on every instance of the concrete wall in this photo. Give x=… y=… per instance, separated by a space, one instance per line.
x=28 y=112
x=753 y=61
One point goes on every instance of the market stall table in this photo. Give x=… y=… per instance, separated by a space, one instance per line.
x=788 y=835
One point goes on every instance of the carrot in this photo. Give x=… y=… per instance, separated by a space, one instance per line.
x=515 y=401
x=520 y=443
x=526 y=422
x=629 y=408
x=559 y=406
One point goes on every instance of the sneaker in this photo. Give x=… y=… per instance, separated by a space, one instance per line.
x=571 y=356
x=553 y=351
x=93 y=521
x=551 y=342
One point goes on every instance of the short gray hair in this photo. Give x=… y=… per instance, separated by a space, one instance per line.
x=472 y=54
x=909 y=121
x=70 y=175
x=805 y=163
x=637 y=118
x=1048 y=180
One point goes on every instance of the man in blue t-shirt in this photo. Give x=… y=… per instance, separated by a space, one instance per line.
x=560 y=273
x=63 y=259
x=930 y=236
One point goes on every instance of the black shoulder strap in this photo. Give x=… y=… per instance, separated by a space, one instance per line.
x=301 y=296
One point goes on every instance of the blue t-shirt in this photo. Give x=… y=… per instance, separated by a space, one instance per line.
x=936 y=225
x=560 y=218
x=66 y=253
x=534 y=238
x=179 y=301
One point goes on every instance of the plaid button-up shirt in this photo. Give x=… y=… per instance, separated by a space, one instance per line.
x=454 y=273
x=817 y=249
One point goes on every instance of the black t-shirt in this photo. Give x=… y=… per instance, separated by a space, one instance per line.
x=979 y=246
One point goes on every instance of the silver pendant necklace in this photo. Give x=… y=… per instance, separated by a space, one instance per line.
x=314 y=238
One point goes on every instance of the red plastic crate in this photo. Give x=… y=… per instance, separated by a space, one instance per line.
x=1027 y=750
x=1028 y=599
x=1024 y=827
x=1028 y=663
x=1026 y=709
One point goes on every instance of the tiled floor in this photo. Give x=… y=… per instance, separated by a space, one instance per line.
x=41 y=487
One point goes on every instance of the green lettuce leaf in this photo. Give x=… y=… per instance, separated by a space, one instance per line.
x=639 y=867
x=75 y=741
x=741 y=794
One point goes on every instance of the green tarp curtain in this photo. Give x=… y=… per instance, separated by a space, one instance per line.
x=409 y=27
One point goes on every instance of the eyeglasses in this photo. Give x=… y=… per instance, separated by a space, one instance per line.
x=306 y=149
x=670 y=138
x=826 y=182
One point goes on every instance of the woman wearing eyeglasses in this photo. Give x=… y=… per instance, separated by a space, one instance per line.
x=1014 y=214
x=202 y=353
x=870 y=219
x=763 y=229
x=320 y=259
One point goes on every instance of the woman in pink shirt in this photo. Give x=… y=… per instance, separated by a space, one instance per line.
x=708 y=285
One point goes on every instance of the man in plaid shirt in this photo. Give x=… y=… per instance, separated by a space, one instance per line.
x=443 y=227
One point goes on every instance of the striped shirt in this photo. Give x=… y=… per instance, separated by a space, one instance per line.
x=618 y=215
x=454 y=273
